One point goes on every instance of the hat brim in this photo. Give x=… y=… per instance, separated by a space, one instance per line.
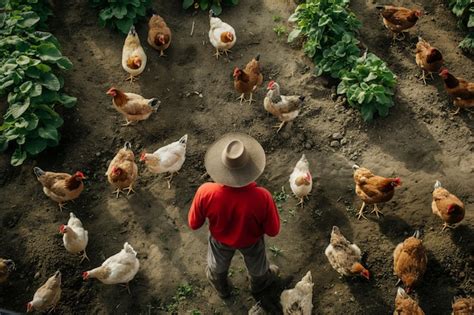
x=240 y=177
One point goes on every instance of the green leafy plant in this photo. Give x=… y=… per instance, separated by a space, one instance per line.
x=184 y=291
x=464 y=10
x=214 y=5
x=30 y=61
x=275 y=251
x=279 y=30
x=369 y=86
x=340 y=56
x=467 y=44
x=121 y=14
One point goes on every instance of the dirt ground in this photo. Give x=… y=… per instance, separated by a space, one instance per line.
x=421 y=141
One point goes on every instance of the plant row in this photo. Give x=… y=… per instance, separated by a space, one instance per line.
x=464 y=10
x=214 y=5
x=329 y=30
x=30 y=63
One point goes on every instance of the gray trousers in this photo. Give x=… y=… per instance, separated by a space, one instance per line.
x=219 y=257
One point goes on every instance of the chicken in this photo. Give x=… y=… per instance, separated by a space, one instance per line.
x=133 y=55
x=285 y=108
x=405 y=305
x=132 y=106
x=47 y=296
x=246 y=81
x=463 y=306
x=7 y=266
x=428 y=58
x=159 y=34
x=123 y=171
x=409 y=261
x=298 y=301
x=447 y=206
x=75 y=237
x=398 y=19
x=344 y=256
x=60 y=187
x=459 y=89
x=169 y=158
x=301 y=181
x=120 y=268
x=373 y=189
x=221 y=35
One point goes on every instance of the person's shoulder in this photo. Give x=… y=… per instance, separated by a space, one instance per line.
x=208 y=188
x=264 y=192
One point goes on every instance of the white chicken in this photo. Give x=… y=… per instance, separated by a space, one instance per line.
x=133 y=55
x=47 y=296
x=221 y=35
x=301 y=181
x=344 y=256
x=285 y=108
x=120 y=268
x=75 y=237
x=299 y=300
x=169 y=158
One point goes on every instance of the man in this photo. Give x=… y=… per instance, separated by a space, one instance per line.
x=239 y=212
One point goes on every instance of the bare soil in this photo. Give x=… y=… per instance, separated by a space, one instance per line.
x=421 y=141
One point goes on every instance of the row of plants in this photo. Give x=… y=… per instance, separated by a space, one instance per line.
x=329 y=31
x=214 y=5
x=120 y=14
x=464 y=10
x=30 y=63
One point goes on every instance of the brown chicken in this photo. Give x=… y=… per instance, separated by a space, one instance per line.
x=447 y=206
x=428 y=58
x=459 y=89
x=398 y=19
x=405 y=305
x=373 y=189
x=132 y=106
x=7 y=266
x=463 y=306
x=60 y=187
x=47 y=296
x=409 y=261
x=123 y=171
x=246 y=81
x=159 y=34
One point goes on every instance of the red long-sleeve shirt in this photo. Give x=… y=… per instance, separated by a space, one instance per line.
x=238 y=217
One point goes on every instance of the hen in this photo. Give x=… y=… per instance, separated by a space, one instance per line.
x=7 y=266
x=75 y=237
x=463 y=306
x=301 y=181
x=285 y=108
x=169 y=158
x=123 y=171
x=459 y=89
x=373 y=189
x=120 y=268
x=344 y=256
x=133 y=55
x=405 y=305
x=447 y=206
x=409 y=261
x=60 y=187
x=221 y=35
x=299 y=300
x=159 y=34
x=132 y=106
x=398 y=19
x=246 y=81
x=428 y=58
x=47 y=296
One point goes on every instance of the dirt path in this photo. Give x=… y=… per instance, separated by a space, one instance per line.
x=420 y=141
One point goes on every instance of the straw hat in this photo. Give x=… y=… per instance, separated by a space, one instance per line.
x=235 y=160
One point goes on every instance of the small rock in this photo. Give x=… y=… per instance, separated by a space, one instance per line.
x=344 y=141
x=98 y=154
x=337 y=136
x=37 y=275
x=307 y=145
x=335 y=144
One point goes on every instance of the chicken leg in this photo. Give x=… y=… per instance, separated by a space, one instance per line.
x=84 y=256
x=162 y=54
x=117 y=192
x=130 y=189
x=377 y=211
x=217 y=54
x=131 y=78
x=169 y=179
x=361 y=211
x=279 y=126
x=62 y=206
x=301 y=202
x=446 y=226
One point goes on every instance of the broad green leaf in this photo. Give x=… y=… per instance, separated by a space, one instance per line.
x=21 y=123
x=3 y=143
x=18 y=109
x=32 y=121
x=50 y=81
x=293 y=35
x=216 y=8
x=48 y=52
x=6 y=84
x=367 y=112
x=26 y=87
x=67 y=101
x=105 y=14
x=23 y=60
x=36 y=91
x=48 y=132
x=21 y=139
x=204 y=5
x=119 y=11
x=28 y=20
x=18 y=157
x=35 y=146
x=124 y=25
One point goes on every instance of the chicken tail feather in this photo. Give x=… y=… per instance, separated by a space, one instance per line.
x=184 y=139
x=38 y=172
x=437 y=184
x=129 y=249
x=355 y=167
x=155 y=103
x=257 y=57
x=380 y=6
x=132 y=31
x=417 y=234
